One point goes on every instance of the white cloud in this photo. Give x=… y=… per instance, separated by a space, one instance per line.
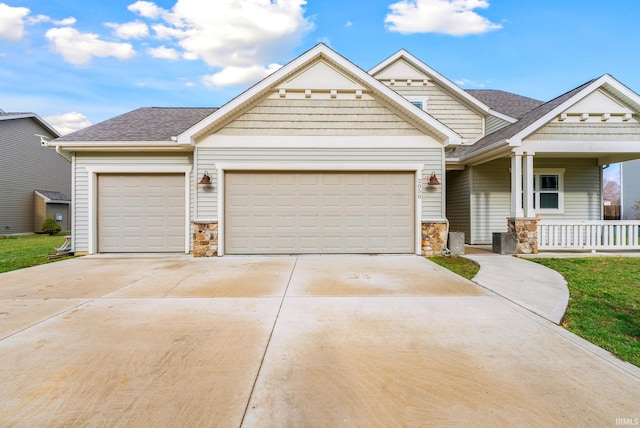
x=241 y=34
x=129 y=30
x=146 y=9
x=12 y=22
x=348 y=24
x=66 y=22
x=68 y=122
x=163 y=52
x=230 y=76
x=78 y=48
x=452 y=17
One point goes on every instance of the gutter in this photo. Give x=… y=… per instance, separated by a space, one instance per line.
x=44 y=142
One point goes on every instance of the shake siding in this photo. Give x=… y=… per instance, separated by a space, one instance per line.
x=459 y=202
x=431 y=157
x=447 y=110
x=318 y=117
x=81 y=196
x=494 y=124
x=490 y=200
x=585 y=131
x=24 y=167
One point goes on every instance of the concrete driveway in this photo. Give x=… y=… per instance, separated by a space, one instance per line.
x=289 y=341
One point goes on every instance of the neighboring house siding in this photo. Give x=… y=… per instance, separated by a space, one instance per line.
x=630 y=189
x=207 y=157
x=494 y=124
x=446 y=109
x=81 y=197
x=24 y=167
x=491 y=195
x=275 y=116
x=490 y=200
x=587 y=131
x=459 y=202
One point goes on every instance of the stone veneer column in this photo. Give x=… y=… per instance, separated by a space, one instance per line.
x=525 y=231
x=205 y=239
x=434 y=239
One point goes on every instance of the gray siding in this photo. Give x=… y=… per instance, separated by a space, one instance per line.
x=491 y=194
x=594 y=131
x=275 y=116
x=494 y=124
x=432 y=206
x=459 y=202
x=26 y=166
x=446 y=109
x=630 y=189
x=490 y=200
x=81 y=195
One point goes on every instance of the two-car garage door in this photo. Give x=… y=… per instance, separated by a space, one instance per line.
x=141 y=213
x=319 y=212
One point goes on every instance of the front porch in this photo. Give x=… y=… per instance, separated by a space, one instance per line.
x=588 y=235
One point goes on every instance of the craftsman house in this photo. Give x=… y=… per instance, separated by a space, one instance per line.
x=324 y=157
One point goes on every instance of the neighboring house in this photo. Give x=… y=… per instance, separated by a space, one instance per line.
x=630 y=189
x=26 y=166
x=324 y=157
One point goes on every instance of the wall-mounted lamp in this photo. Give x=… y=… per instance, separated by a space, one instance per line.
x=433 y=180
x=205 y=180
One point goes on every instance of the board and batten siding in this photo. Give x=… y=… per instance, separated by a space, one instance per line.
x=26 y=166
x=447 y=109
x=323 y=158
x=491 y=194
x=459 y=202
x=81 y=175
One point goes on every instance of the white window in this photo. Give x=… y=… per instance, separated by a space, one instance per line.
x=548 y=190
x=420 y=102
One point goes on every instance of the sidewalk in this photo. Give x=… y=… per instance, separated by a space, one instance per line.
x=534 y=287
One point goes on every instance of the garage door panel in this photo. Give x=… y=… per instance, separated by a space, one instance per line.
x=141 y=213
x=320 y=212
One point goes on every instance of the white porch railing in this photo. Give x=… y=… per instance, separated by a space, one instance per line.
x=589 y=235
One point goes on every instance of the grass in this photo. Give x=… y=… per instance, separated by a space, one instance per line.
x=463 y=267
x=604 y=307
x=17 y=252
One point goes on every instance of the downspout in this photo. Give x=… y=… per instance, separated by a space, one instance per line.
x=64 y=154
x=44 y=142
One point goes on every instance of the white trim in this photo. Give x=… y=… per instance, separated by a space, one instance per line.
x=318 y=142
x=94 y=170
x=588 y=146
x=319 y=52
x=416 y=169
x=537 y=172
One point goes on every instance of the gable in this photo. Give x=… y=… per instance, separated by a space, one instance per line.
x=598 y=103
x=401 y=70
x=320 y=76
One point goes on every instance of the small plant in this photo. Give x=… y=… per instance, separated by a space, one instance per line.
x=50 y=226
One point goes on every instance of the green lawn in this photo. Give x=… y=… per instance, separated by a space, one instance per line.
x=604 y=307
x=17 y=252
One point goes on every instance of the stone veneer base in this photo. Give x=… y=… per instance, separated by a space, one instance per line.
x=525 y=231
x=205 y=239
x=434 y=239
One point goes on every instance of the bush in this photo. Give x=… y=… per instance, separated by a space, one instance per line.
x=50 y=226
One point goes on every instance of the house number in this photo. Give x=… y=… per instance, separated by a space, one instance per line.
x=419 y=188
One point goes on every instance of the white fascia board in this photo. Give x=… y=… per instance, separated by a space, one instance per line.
x=438 y=77
x=516 y=140
x=502 y=116
x=493 y=151
x=318 y=141
x=38 y=119
x=145 y=146
x=322 y=51
x=595 y=147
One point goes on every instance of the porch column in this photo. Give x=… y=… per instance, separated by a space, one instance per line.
x=527 y=172
x=516 y=186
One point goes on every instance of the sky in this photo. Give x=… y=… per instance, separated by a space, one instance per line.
x=76 y=63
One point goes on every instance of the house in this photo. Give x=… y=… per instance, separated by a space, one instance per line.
x=629 y=189
x=25 y=167
x=324 y=157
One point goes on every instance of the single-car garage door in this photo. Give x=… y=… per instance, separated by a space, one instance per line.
x=141 y=213
x=319 y=212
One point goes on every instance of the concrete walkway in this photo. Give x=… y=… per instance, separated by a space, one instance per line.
x=534 y=287
x=291 y=341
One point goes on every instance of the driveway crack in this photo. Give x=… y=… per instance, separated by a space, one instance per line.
x=266 y=348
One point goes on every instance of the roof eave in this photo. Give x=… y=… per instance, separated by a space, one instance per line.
x=121 y=146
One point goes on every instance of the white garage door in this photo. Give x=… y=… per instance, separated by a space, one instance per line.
x=319 y=212
x=141 y=213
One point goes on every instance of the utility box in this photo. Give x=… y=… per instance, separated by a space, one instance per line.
x=456 y=243
x=504 y=243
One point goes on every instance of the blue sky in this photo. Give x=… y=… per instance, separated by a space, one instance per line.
x=76 y=62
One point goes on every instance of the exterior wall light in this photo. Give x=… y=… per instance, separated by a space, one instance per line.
x=205 y=180
x=433 y=180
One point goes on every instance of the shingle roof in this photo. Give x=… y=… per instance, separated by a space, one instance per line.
x=505 y=102
x=143 y=124
x=54 y=196
x=511 y=130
